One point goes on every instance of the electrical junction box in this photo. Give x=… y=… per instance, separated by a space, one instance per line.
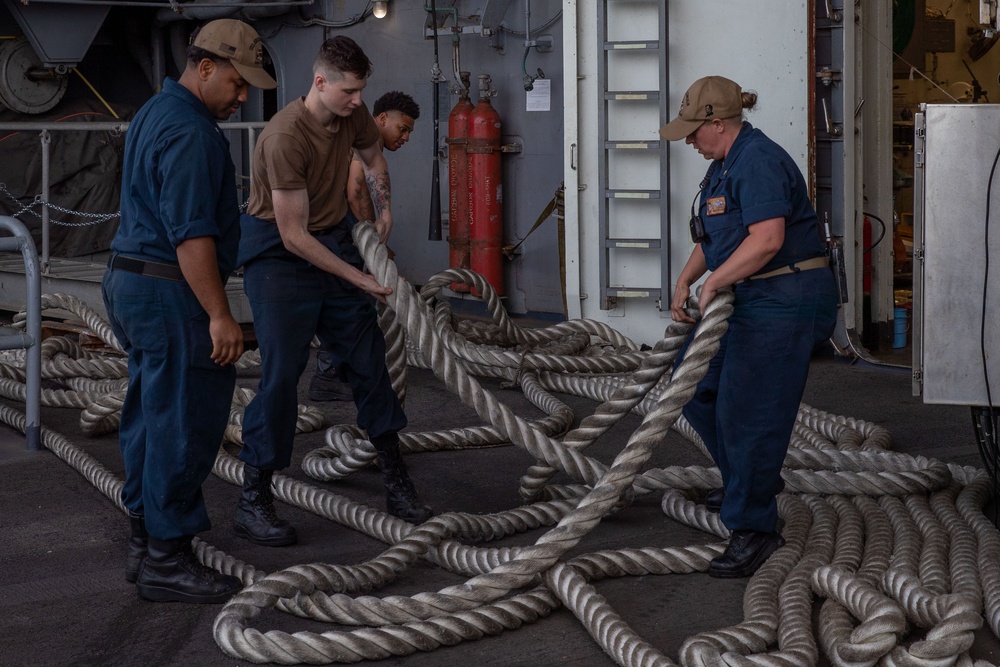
x=939 y=35
x=956 y=253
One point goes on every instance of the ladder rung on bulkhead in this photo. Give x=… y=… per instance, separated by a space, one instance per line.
x=628 y=204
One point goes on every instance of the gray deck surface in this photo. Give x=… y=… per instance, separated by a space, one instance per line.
x=63 y=599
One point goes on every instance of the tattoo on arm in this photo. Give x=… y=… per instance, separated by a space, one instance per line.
x=378 y=185
x=363 y=208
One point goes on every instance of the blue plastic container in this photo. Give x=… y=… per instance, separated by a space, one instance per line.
x=900 y=326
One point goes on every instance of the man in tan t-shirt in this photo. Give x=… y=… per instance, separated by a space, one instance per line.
x=395 y=114
x=304 y=277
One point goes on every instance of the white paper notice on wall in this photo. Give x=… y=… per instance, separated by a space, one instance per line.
x=539 y=98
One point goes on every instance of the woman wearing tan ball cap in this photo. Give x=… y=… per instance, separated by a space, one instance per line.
x=754 y=228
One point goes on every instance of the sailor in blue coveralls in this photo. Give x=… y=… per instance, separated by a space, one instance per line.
x=165 y=297
x=756 y=230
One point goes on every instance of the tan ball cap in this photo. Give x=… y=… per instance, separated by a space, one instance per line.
x=240 y=44
x=708 y=98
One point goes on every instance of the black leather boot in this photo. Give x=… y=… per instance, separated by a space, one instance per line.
x=136 y=546
x=747 y=551
x=401 y=497
x=714 y=498
x=329 y=387
x=255 y=518
x=172 y=573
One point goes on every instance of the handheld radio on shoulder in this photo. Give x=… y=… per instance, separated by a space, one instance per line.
x=696 y=224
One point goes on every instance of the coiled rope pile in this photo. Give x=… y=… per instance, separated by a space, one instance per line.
x=894 y=548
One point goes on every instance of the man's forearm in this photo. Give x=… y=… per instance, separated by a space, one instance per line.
x=378 y=186
x=197 y=259
x=361 y=201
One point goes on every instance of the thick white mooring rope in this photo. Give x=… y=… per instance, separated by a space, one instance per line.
x=895 y=547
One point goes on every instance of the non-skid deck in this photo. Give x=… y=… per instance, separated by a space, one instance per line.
x=63 y=600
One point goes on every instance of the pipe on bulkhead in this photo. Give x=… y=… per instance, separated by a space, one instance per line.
x=484 y=149
x=193 y=11
x=179 y=35
x=159 y=65
x=141 y=52
x=434 y=221
x=458 y=182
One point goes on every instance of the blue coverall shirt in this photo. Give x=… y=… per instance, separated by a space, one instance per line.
x=757 y=181
x=181 y=184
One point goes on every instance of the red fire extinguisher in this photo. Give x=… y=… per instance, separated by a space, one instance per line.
x=485 y=189
x=458 y=183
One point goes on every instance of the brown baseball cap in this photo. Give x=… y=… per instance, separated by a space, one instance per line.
x=708 y=98
x=240 y=44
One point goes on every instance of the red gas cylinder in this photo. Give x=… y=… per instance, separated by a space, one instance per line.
x=458 y=184
x=485 y=189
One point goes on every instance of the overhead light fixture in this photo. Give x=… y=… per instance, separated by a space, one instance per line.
x=380 y=8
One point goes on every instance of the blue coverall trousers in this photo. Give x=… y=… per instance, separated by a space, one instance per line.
x=292 y=301
x=745 y=407
x=177 y=403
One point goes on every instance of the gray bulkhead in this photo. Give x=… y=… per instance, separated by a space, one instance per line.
x=123 y=57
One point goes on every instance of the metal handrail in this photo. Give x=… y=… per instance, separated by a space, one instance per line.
x=31 y=339
x=44 y=128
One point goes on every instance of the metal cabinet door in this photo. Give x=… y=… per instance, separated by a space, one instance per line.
x=957 y=263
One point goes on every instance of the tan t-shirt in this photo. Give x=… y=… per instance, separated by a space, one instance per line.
x=357 y=158
x=296 y=151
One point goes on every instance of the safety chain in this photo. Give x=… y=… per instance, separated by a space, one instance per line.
x=895 y=547
x=96 y=218
x=39 y=201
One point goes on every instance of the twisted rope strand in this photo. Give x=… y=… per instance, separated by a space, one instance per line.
x=896 y=547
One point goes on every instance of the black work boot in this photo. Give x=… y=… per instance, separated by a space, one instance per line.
x=172 y=573
x=136 y=546
x=714 y=498
x=401 y=498
x=747 y=551
x=328 y=387
x=255 y=518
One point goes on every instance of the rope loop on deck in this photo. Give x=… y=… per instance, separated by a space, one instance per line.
x=894 y=549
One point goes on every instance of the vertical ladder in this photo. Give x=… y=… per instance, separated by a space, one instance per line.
x=634 y=221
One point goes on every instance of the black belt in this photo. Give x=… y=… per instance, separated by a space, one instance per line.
x=146 y=268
